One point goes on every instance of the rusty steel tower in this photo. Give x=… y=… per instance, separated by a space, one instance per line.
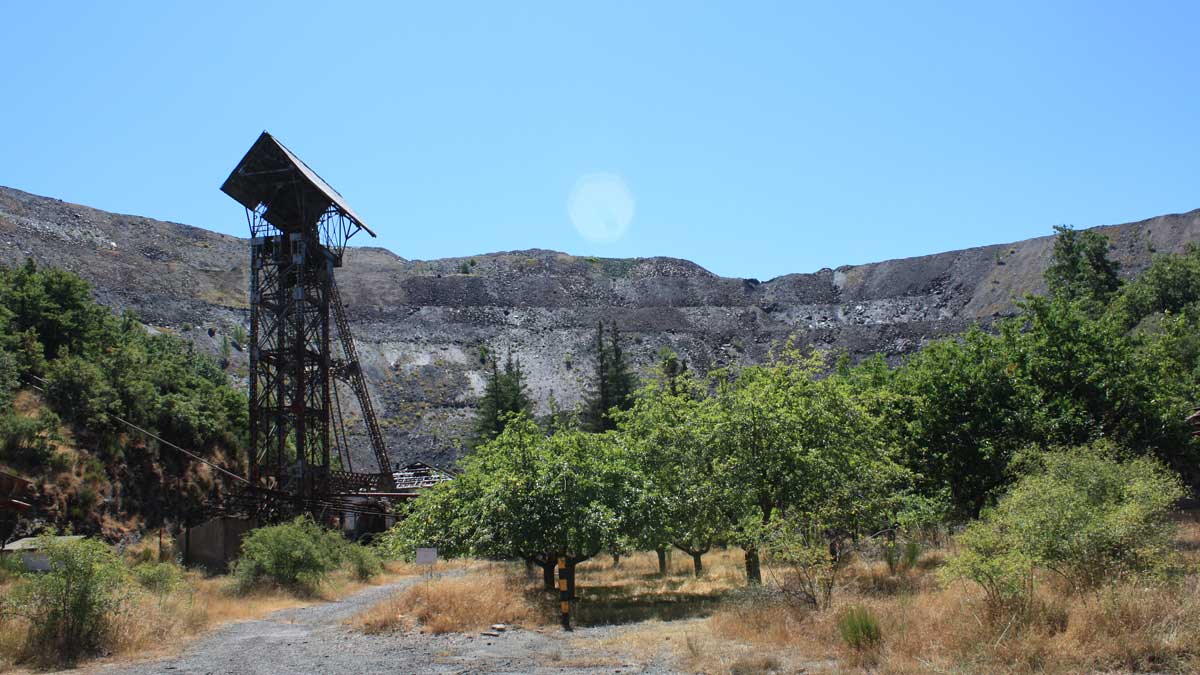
x=299 y=228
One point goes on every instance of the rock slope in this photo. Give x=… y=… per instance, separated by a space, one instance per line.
x=422 y=325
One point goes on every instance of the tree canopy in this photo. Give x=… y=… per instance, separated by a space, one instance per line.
x=98 y=368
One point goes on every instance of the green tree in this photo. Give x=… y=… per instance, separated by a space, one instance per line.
x=673 y=455
x=1171 y=284
x=792 y=444
x=1080 y=268
x=530 y=496
x=614 y=383
x=504 y=394
x=102 y=368
x=671 y=368
x=58 y=307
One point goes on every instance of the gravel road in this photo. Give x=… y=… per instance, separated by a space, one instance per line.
x=315 y=640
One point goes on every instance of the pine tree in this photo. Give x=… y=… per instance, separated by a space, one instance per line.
x=614 y=384
x=671 y=368
x=622 y=382
x=504 y=393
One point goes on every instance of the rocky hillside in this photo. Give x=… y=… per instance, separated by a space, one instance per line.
x=421 y=325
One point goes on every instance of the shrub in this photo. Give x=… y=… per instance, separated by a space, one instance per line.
x=859 y=629
x=70 y=608
x=1091 y=517
x=28 y=441
x=298 y=556
x=159 y=578
x=989 y=557
x=364 y=561
x=807 y=563
x=1083 y=513
x=10 y=567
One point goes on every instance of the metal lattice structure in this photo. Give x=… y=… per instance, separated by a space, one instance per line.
x=299 y=228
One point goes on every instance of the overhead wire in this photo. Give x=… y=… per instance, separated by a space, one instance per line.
x=155 y=436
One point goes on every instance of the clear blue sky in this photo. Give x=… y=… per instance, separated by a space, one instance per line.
x=755 y=139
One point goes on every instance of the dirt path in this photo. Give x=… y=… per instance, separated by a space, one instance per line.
x=314 y=640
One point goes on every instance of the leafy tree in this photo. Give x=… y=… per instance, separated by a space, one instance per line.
x=102 y=368
x=1171 y=284
x=671 y=368
x=671 y=450
x=1080 y=268
x=504 y=394
x=797 y=446
x=80 y=388
x=58 y=307
x=529 y=496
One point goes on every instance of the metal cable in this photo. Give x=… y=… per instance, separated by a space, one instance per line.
x=155 y=436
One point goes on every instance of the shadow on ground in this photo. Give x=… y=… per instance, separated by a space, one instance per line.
x=604 y=605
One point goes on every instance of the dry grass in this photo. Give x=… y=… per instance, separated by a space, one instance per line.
x=490 y=594
x=932 y=627
x=152 y=626
x=633 y=591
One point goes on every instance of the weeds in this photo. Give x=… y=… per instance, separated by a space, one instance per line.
x=860 y=629
x=158 y=578
x=68 y=611
x=458 y=604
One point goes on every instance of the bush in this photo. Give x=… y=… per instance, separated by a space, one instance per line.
x=806 y=563
x=297 y=556
x=364 y=561
x=1083 y=514
x=859 y=628
x=79 y=389
x=28 y=441
x=989 y=557
x=70 y=608
x=159 y=578
x=10 y=567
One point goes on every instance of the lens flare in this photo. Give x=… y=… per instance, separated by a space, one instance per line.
x=600 y=207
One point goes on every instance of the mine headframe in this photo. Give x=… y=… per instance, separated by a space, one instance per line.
x=299 y=228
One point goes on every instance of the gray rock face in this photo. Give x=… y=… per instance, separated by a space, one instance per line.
x=421 y=325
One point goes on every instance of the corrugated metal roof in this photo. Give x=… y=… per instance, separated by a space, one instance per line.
x=266 y=175
x=31 y=543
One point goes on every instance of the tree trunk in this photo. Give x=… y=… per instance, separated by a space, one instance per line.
x=753 y=567
x=548 y=575
x=698 y=563
x=616 y=558
x=662 y=561
x=571 y=580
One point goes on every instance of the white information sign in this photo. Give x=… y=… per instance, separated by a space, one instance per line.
x=426 y=556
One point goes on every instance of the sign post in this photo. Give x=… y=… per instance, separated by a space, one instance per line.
x=427 y=556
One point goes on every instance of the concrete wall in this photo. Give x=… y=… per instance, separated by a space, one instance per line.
x=214 y=544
